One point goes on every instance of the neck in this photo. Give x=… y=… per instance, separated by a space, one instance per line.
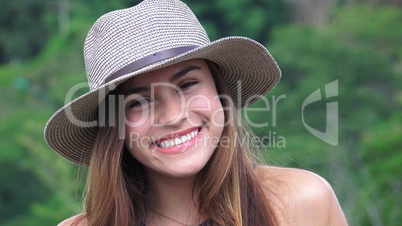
x=173 y=196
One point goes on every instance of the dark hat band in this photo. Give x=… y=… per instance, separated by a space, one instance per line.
x=150 y=59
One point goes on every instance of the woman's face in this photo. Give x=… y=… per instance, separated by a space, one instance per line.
x=174 y=118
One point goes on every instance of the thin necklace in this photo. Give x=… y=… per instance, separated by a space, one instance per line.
x=169 y=217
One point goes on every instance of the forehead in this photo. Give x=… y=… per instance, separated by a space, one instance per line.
x=163 y=74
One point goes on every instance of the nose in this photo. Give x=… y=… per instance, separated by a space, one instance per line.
x=170 y=110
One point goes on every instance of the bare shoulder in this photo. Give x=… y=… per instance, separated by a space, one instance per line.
x=77 y=220
x=307 y=184
x=302 y=197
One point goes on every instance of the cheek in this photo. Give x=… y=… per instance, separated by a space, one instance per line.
x=208 y=106
x=135 y=134
x=217 y=115
x=136 y=119
x=132 y=141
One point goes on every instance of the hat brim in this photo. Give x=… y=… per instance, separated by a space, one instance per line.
x=247 y=68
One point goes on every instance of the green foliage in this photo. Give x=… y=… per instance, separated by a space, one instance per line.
x=25 y=27
x=381 y=151
x=365 y=25
x=24 y=187
x=253 y=18
x=33 y=91
x=92 y=9
x=361 y=56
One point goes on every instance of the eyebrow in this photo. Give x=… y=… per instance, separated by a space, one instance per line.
x=175 y=77
x=183 y=72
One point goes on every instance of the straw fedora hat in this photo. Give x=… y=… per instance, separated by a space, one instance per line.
x=152 y=35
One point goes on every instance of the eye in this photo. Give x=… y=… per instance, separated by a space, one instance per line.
x=187 y=85
x=139 y=102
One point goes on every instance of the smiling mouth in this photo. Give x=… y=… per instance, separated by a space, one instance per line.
x=167 y=143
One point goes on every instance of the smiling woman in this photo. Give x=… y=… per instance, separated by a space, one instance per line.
x=184 y=119
x=167 y=146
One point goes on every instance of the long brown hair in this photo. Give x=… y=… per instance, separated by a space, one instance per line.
x=227 y=188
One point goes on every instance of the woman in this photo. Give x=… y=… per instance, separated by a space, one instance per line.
x=160 y=133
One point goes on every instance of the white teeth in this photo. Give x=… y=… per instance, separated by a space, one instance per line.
x=165 y=144
x=177 y=141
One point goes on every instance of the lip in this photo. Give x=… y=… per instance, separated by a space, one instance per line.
x=176 y=149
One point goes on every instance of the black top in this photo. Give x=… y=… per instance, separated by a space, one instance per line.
x=205 y=223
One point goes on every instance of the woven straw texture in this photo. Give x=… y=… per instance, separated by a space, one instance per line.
x=121 y=37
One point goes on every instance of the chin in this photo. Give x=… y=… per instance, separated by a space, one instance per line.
x=185 y=171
